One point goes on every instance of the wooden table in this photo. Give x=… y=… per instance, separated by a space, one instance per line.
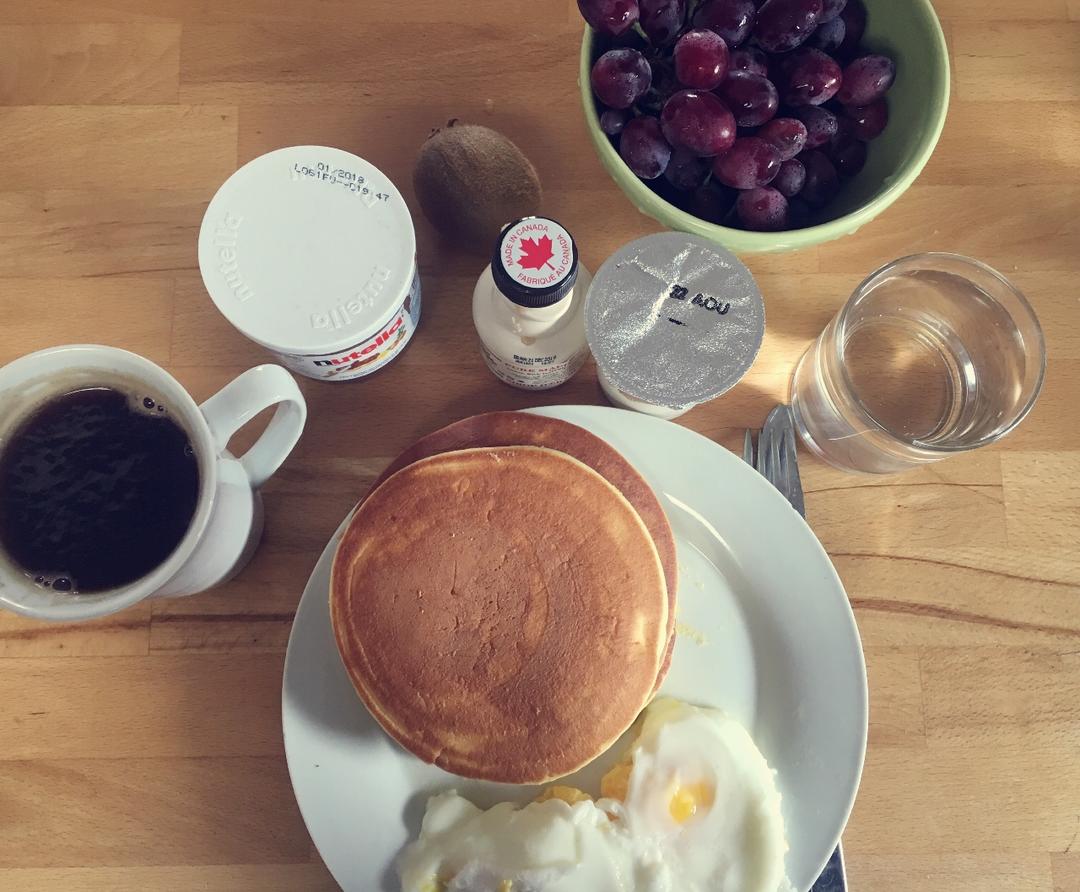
x=143 y=751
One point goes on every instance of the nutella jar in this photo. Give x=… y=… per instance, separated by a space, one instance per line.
x=528 y=306
x=673 y=320
x=310 y=252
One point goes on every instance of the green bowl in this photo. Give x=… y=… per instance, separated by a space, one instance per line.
x=906 y=30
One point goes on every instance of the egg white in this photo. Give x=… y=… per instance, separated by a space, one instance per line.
x=701 y=813
x=734 y=841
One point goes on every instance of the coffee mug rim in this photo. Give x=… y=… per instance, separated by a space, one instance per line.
x=105 y=603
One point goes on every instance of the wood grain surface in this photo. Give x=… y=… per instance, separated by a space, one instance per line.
x=144 y=752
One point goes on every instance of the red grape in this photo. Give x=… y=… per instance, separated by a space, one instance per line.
x=798 y=213
x=613 y=120
x=845 y=131
x=820 y=124
x=750 y=162
x=731 y=19
x=829 y=36
x=621 y=77
x=868 y=121
x=643 y=148
x=662 y=20
x=813 y=78
x=686 y=171
x=762 y=209
x=663 y=85
x=848 y=157
x=789 y=181
x=787 y=134
x=752 y=98
x=610 y=16
x=628 y=40
x=783 y=25
x=683 y=104
x=831 y=9
x=712 y=202
x=867 y=79
x=847 y=153
x=699 y=122
x=780 y=65
x=854 y=18
x=701 y=59
x=750 y=58
x=822 y=183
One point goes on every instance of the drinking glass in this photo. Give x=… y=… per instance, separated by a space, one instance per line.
x=933 y=355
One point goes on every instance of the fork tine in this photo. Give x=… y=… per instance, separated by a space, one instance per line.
x=772 y=466
x=789 y=465
x=761 y=459
x=768 y=453
x=748 y=447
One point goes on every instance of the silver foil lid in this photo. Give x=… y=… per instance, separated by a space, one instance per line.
x=674 y=319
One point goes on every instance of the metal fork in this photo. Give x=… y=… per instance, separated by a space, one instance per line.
x=776 y=461
x=776 y=458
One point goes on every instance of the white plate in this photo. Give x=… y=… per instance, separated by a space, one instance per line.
x=766 y=633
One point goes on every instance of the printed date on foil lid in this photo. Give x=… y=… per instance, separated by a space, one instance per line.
x=679 y=292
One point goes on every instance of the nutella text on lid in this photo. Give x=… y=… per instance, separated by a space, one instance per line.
x=310 y=252
x=674 y=320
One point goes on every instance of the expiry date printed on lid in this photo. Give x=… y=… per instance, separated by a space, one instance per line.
x=338 y=176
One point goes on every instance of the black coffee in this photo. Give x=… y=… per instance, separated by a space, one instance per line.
x=97 y=488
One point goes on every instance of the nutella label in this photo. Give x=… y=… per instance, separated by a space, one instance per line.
x=537 y=253
x=369 y=355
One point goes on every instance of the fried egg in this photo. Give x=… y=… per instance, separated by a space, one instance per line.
x=691 y=807
x=702 y=792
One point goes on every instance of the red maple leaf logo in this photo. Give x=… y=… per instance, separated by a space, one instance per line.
x=535 y=253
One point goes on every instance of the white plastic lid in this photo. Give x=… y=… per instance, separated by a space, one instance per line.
x=307 y=249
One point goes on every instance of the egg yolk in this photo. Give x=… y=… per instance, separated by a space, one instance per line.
x=437 y=885
x=616 y=783
x=569 y=795
x=687 y=799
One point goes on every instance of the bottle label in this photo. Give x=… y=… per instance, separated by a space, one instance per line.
x=540 y=372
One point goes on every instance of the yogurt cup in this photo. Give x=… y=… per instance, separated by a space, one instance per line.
x=673 y=320
x=310 y=252
x=620 y=398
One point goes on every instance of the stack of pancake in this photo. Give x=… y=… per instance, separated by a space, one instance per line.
x=504 y=597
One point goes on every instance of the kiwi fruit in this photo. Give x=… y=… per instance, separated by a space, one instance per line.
x=471 y=181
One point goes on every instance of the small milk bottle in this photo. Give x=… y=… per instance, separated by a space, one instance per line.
x=528 y=306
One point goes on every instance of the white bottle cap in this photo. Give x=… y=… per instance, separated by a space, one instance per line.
x=308 y=250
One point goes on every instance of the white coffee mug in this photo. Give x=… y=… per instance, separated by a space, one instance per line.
x=227 y=524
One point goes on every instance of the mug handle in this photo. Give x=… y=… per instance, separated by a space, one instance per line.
x=242 y=399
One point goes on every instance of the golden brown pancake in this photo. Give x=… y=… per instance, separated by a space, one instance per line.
x=526 y=429
x=501 y=612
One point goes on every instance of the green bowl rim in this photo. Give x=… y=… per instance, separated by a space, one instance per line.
x=748 y=241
